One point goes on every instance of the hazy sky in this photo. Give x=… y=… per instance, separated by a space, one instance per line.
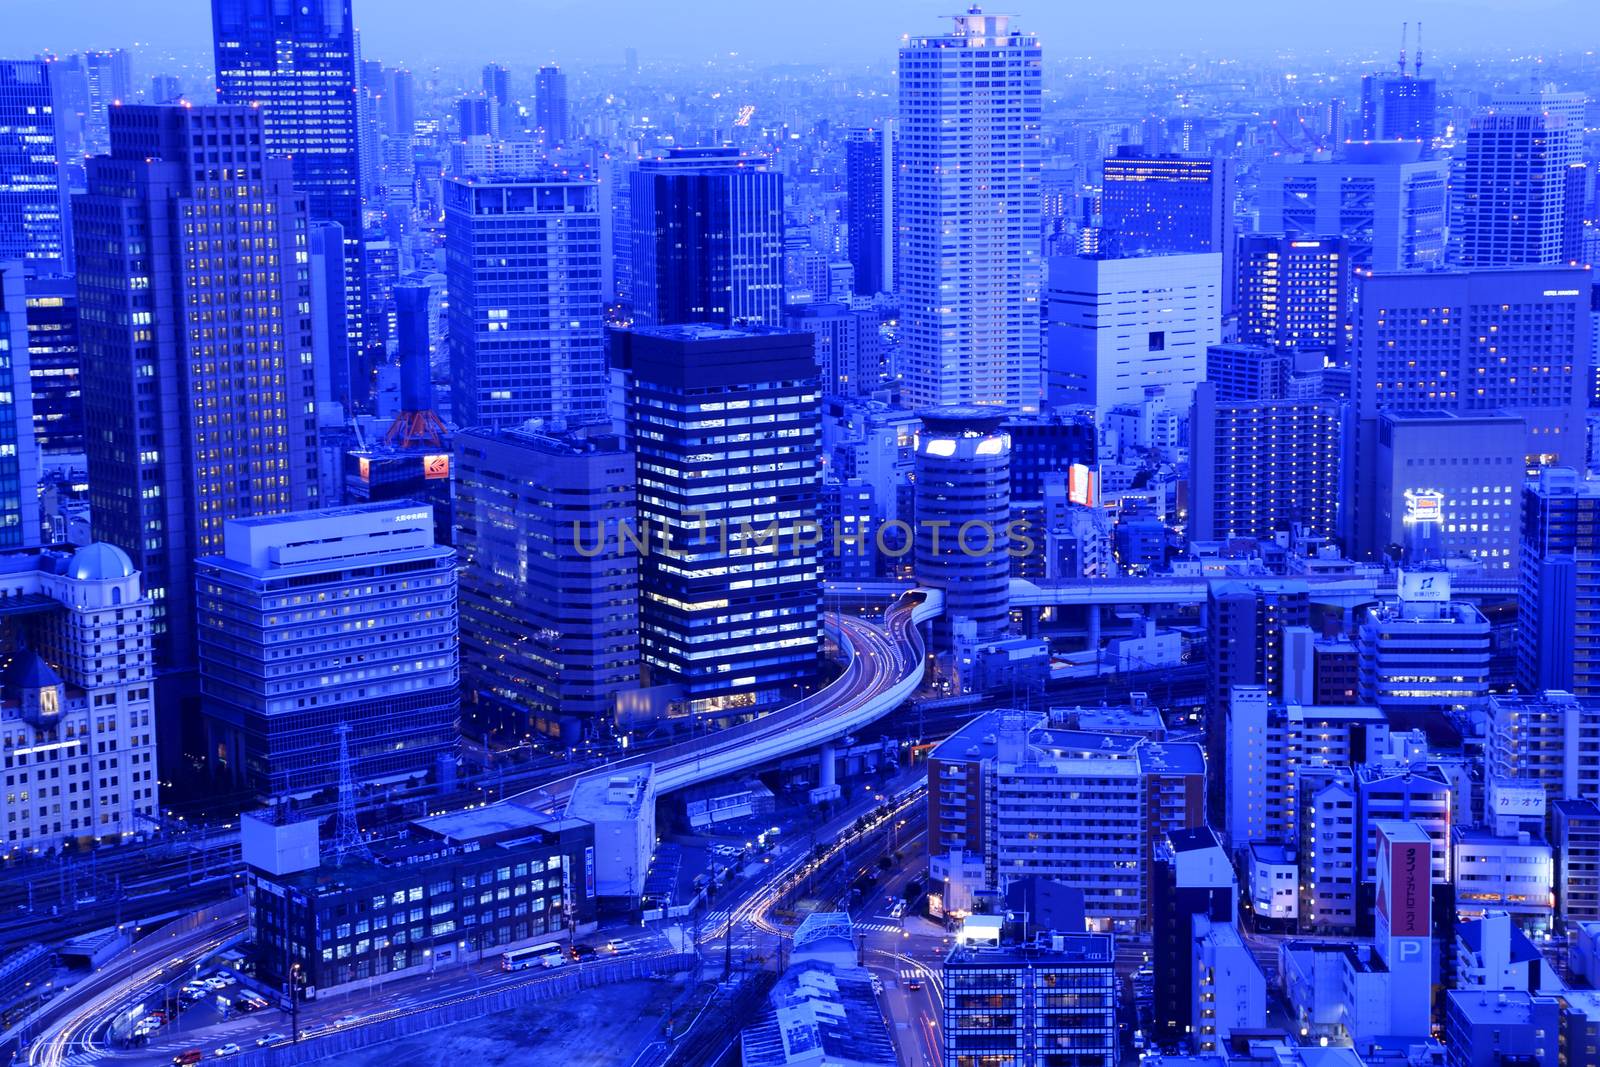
x=418 y=32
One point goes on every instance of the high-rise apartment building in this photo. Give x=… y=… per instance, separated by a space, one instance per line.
x=1520 y=189
x=315 y=619
x=968 y=215
x=33 y=189
x=549 y=582
x=1264 y=466
x=1386 y=200
x=849 y=346
x=1559 y=584
x=1294 y=293
x=1116 y=327
x=196 y=329
x=725 y=427
x=297 y=63
x=551 y=115
x=77 y=717
x=869 y=208
x=522 y=260
x=1472 y=343
x=707 y=239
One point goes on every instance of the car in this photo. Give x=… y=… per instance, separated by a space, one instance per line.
x=347 y=1020
x=225 y=978
x=269 y=1038
x=914 y=985
x=183 y=1059
x=230 y=1049
x=216 y=983
x=582 y=952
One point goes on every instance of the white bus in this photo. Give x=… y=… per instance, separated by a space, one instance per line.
x=549 y=954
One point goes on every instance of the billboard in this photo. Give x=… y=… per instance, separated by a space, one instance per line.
x=436 y=466
x=1431 y=587
x=1405 y=879
x=1080 y=485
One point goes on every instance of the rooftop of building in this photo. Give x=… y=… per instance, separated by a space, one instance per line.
x=613 y=795
x=1484 y=837
x=1048 y=950
x=1470 y=934
x=1278 y=855
x=820 y=1012
x=1016 y=738
x=1492 y=1006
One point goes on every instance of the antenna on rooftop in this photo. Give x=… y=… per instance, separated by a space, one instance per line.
x=347 y=841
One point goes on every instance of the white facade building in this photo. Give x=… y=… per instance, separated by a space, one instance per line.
x=77 y=724
x=1115 y=327
x=622 y=809
x=968 y=214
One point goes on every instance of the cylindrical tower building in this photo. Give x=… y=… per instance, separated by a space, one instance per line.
x=963 y=503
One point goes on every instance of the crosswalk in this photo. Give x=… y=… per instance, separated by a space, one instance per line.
x=878 y=928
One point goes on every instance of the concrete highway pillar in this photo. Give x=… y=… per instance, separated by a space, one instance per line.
x=1094 y=628
x=825 y=776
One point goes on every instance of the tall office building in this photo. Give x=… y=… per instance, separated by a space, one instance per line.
x=1387 y=201
x=19 y=450
x=297 y=63
x=497 y=87
x=725 y=425
x=1399 y=107
x=1115 y=327
x=33 y=190
x=1460 y=474
x=550 y=105
x=55 y=364
x=1559 y=584
x=1050 y=1001
x=198 y=376
x=1170 y=203
x=1293 y=294
x=549 y=582
x=968 y=215
x=314 y=619
x=1422 y=650
x=1520 y=192
x=1263 y=466
x=1472 y=343
x=707 y=239
x=475 y=117
x=522 y=259
x=849 y=346
x=869 y=208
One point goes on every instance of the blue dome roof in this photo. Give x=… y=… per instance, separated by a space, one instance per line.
x=99 y=562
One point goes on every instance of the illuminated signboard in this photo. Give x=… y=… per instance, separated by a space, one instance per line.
x=437 y=466
x=1405 y=879
x=1080 y=485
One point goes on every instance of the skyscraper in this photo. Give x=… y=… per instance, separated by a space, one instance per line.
x=550 y=105
x=549 y=582
x=1399 y=107
x=497 y=87
x=55 y=364
x=968 y=215
x=1520 y=193
x=869 y=208
x=297 y=62
x=707 y=239
x=1170 y=203
x=1473 y=343
x=1293 y=294
x=19 y=452
x=726 y=428
x=520 y=351
x=33 y=218
x=1385 y=200
x=198 y=373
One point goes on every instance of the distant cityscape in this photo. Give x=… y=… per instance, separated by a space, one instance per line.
x=994 y=558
